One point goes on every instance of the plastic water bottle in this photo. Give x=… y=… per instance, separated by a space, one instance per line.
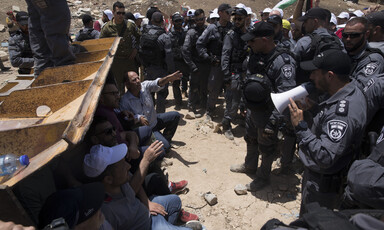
x=9 y=163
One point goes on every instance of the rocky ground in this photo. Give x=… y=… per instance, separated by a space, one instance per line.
x=204 y=155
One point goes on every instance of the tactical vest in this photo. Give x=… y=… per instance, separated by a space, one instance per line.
x=196 y=35
x=368 y=51
x=177 y=44
x=239 y=52
x=215 y=47
x=85 y=35
x=149 y=50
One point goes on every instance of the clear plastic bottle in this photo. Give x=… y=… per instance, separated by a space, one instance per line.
x=9 y=163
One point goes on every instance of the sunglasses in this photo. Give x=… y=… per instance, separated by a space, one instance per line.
x=200 y=19
x=351 y=35
x=108 y=131
x=120 y=13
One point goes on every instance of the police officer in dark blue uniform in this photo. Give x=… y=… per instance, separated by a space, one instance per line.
x=331 y=143
x=232 y=58
x=209 y=46
x=270 y=69
x=20 y=53
x=199 y=69
x=177 y=35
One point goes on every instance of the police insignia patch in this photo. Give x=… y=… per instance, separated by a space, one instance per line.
x=370 y=68
x=369 y=84
x=336 y=129
x=287 y=71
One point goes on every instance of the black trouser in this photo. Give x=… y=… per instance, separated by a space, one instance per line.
x=184 y=69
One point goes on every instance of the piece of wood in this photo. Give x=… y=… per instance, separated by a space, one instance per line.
x=91 y=56
x=95 y=41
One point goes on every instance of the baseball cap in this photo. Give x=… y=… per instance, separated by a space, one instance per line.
x=109 y=14
x=249 y=10
x=74 y=205
x=275 y=19
x=240 y=11
x=214 y=14
x=101 y=156
x=358 y=13
x=376 y=18
x=280 y=11
x=343 y=15
x=286 y=24
x=260 y=29
x=240 y=6
x=22 y=18
x=333 y=19
x=177 y=16
x=191 y=13
x=266 y=10
x=157 y=17
x=317 y=12
x=330 y=60
x=225 y=7
x=138 y=15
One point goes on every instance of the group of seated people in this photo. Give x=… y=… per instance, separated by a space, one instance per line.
x=122 y=185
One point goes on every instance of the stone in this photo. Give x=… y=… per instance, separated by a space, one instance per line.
x=96 y=12
x=15 y=9
x=210 y=198
x=3 y=56
x=84 y=11
x=240 y=189
x=78 y=2
x=2 y=28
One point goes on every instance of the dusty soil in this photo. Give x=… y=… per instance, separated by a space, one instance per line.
x=204 y=156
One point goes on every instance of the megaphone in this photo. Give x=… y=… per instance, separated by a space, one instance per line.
x=299 y=93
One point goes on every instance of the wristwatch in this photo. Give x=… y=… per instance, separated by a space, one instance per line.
x=301 y=126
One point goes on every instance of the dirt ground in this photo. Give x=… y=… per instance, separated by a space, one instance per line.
x=204 y=157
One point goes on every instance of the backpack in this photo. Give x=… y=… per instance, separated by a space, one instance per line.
x=85 y=35
x=149 y=50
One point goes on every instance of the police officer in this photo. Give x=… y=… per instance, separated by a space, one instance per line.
x=270 y=69
x=49 y=23
x=376 y=30
x=330 y=144
x=199 y=69
x=232 y=58
x=209 y=46
x=156 y=55
x=177 y=35
x=125 y=58
x=365 y=60
x=20 y=53
x=315 y=24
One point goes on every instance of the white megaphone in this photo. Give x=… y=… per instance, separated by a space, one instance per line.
x=281 y=100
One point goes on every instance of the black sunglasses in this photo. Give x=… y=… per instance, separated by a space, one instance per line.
x=108 y=131
x=120 y=13
x=351 y=35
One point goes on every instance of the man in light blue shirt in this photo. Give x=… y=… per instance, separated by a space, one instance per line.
x=138 y=99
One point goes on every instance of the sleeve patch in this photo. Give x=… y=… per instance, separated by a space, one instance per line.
x=336 y=129
x=287 y=71
x=370 y=68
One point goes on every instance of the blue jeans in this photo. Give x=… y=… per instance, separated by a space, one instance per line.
x=169 y=122
x=172 y=205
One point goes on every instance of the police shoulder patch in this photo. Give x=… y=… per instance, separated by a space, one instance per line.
x=336 y=129
x=370 y=83
x=287 y=71
x=342 y=108
x=370 y=68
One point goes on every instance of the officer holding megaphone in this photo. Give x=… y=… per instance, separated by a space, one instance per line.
x=270 y=68
x=330 y=144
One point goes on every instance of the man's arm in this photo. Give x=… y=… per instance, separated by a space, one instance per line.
x=15 y=55
x=186 y=50
x=226 y=54
x=154 y=208
x=202 y=41
x=171 y=77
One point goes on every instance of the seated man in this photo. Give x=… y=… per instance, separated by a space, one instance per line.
x=20 y=53
x=87 y=32
x=139 y=100
x=121 y=207
x=80 y=208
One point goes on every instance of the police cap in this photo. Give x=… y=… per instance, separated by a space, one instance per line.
x=376 y=18
x=330 y=60
x=275 y=19
x=260 y=29
x=317 y=12
x=255 y=92
x=22 y=18
x=240 y=11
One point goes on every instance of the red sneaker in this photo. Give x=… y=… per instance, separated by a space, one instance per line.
x=177 y=187
x=186 y=216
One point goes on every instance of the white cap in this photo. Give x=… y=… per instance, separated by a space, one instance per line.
x=109 y=14
x=358 y=13
x=214 y=14
x=241 y=6
x=267 y=10
x=333 y=19
x=280 y=10
x=249 y=10
x=101 y=156
x=138 y=15
x=191 y=13
x=343 y=15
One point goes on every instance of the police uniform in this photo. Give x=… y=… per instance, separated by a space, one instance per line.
x=367 y=63
x=199 y=69
x=161 y=64
x=129 y=42
x=49 y=24
x=209 y=46
x=235 y=50
x=87 y=33
x=20 y=53
x=177 y=39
